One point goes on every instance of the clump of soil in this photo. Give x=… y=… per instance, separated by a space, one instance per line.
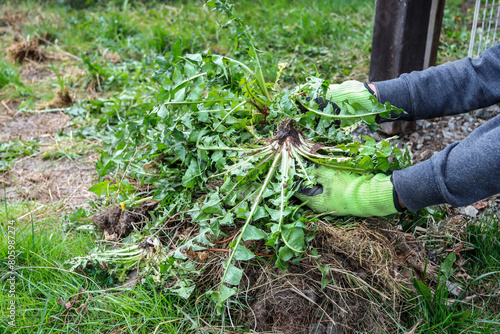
x=27 y=50
x=360 y=287
x=287 y=310
x=61 y=99
x=112 y=57
x=118 y=223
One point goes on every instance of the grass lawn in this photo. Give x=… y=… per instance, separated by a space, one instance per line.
x=86 y=87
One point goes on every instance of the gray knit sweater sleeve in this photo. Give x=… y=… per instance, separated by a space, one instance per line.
x=466 y=171
x=448 y=89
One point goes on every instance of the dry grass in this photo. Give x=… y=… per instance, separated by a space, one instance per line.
x=45 y=181
x=61 y=99
x=27 y=50
x=27 y=126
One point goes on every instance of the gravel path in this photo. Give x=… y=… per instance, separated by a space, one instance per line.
x=432 y=136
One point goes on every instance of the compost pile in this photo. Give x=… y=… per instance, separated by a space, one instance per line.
x=225 y=151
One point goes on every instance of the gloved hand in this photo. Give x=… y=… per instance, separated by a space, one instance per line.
x=344 y=193
x=351 y=91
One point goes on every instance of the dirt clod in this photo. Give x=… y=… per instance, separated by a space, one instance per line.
x=27 y=50
x=118 y=223
x=61 y=99
x=112 y=58
x=285 y=310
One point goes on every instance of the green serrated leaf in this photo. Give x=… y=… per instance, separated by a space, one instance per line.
x=243 y=254
x=259 y=213
x=177 y=50
x=213 y=205
x=105 y=188
x=233 y=275
x=227 y=220
x=189 y=178
x=285 y=253
x=162 y=112
x=253 y=233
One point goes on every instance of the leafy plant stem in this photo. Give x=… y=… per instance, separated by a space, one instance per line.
x=343 y=116
x=238 y=165
x=245 y=67
x=218 y=110
x=302 y=152
x=196 y=102
x=351 y=169
x=229 y=113
x=232 y=189
x=299 y=161
x=191 y=78
x=286 y=165
x=256 y=75
x=259 y=75
x=225 y=148
x=250 y=215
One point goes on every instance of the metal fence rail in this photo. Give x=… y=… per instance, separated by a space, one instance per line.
x=486 y=26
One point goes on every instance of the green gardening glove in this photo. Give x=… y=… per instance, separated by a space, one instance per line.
x=344 y=193
x=351 y=92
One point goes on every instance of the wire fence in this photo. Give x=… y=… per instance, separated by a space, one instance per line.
x=486 y=26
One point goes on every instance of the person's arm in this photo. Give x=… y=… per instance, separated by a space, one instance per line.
x=448 y=89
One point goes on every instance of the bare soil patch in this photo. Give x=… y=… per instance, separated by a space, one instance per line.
x=32 y=72
x=8 y=107
x=46 y=181
x=28 y=126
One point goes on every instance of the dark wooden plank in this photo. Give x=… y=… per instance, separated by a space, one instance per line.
x=405 y=39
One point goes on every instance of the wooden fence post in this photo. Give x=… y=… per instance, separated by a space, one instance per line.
x=405 y=39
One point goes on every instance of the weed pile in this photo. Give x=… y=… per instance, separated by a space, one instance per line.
x=225 y=151
x=356 y=279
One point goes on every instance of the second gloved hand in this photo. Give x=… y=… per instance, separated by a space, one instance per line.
x=352 y=92
x=344 y=193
